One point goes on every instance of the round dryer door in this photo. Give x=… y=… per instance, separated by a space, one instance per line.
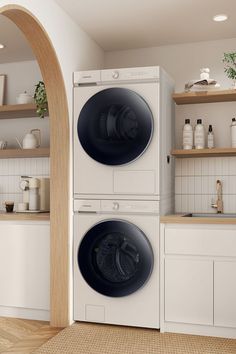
x=115 y=258
x=115 y=126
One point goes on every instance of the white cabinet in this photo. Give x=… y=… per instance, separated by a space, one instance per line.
x=225 y=294
x=189 y=291
x=198 y=272
x=24 y=265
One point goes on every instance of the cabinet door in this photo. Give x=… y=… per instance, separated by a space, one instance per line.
x=225 y=294
x=189 y=291
x=24 y=265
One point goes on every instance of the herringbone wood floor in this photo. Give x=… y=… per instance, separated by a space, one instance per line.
x=19 y=336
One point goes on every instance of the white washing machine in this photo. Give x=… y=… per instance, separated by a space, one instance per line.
x=122 y=133
x=116 y=262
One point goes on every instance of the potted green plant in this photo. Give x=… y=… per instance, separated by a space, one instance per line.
x=40 y=98
x=230 y=66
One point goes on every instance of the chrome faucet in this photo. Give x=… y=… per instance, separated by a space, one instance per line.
x=219 y=202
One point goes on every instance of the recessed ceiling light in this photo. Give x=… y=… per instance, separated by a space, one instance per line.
x=220 y=18
x=2 y=46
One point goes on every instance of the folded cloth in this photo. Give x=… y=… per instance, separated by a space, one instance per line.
x=209 y=82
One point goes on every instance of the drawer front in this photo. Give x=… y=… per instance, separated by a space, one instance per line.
x=202 y=240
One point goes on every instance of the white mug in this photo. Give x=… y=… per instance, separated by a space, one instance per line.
x=3 y=144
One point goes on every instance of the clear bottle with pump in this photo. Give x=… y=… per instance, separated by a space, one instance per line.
x=199 y=135
x=187 y=135
x=233 y=133
x=210 y=138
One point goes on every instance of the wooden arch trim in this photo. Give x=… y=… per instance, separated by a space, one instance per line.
x=59 y=158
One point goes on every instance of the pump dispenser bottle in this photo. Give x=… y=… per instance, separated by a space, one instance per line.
x=210 y=138
x=199 y=135
x=187 y=135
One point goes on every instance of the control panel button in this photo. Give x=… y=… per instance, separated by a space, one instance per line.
x=115 y=74
x=116 y=206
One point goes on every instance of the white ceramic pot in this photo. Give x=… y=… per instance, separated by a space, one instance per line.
x=24 y=98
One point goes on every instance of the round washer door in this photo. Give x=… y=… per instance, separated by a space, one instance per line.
x=115 y=258
x=115 y=126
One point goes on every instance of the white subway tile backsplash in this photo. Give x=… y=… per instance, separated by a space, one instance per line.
x=184 y=185
x=191 y=185
x=227 y=186
x=225 y=166
x=178 y=170
x=178 y=181
x=178 y=206
x=197 y=203
x=205 y=167
x=197 y=167
x=195 y=183
x=191 y=203
x=184 y=167
x=211 y=166
x=232 y=166
x=218 y=166
x=205 y=186
x=4 y=167
x=231 y=185
x=191 y=167
x=232 y=204
x=184 y=203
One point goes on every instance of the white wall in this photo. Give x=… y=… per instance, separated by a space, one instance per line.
x=181 y=61
x=20 y=77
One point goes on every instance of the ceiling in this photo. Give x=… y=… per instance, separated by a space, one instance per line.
x=16 y=46
x=128 y=24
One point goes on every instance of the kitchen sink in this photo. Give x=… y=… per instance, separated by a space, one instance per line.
x=209 y=215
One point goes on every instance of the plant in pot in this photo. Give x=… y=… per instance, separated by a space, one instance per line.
x=40 y=98
x=230 y=66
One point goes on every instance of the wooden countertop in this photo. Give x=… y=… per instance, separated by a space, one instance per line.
x=179 y=219
x=24 y=216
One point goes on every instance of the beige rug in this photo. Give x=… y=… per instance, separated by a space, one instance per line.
x=84 y=338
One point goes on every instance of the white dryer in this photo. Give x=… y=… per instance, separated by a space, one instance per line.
x=116 y=262
x=122 y=133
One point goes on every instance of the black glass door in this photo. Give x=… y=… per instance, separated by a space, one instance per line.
x=115 y=258
x=115 y=126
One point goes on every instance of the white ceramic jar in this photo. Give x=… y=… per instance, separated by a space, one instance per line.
x=24 y=98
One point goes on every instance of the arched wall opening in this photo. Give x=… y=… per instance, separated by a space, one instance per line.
x=59 y=159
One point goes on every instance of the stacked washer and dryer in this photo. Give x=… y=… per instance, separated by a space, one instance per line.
x=123 y=134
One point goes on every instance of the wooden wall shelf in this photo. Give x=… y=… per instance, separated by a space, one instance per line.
x=23 y=153
x=204 y=97
x=18 y=111
x=204 y=152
